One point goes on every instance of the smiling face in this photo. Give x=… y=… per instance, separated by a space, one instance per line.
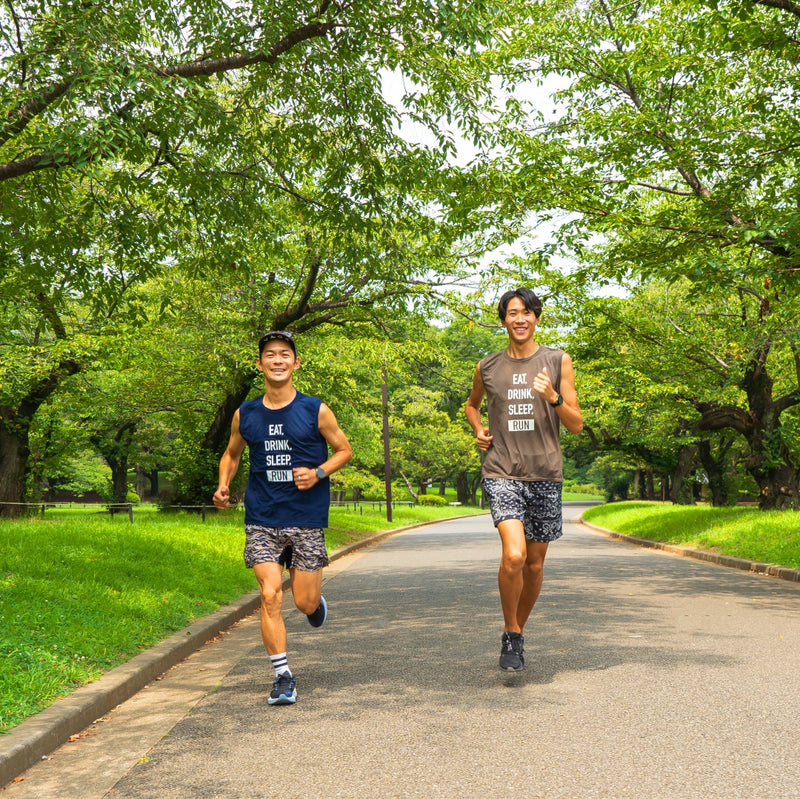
x=520 y=322
x=277 y=362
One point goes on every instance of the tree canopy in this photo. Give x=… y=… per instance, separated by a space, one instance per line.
x=194 y=174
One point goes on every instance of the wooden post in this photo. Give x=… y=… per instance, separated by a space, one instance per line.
x=387 y=470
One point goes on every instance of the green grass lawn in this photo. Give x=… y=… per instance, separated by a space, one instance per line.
x=741 y=532
x=81 y=592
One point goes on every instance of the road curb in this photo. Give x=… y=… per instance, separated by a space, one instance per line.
x=33 y=739
x=767 y=569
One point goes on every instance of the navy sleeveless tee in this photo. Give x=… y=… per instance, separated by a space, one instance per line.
x=280 y=440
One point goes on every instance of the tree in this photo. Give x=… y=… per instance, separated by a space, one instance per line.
x=693 y=367
x=249 y=142
x=446 y=371
x=672 y=138
x=670 y=149
x=427 y=446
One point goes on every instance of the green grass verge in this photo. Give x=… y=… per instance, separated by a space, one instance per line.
x=81 y=593
x=741 y=532
x=568 y=497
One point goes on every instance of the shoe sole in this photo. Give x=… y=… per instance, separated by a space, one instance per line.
x=521 y=666
x=324 y=606
x=283 y=699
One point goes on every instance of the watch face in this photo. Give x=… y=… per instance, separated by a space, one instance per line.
x=320 y=472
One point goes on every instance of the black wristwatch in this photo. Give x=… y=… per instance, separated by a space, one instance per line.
x=320 y=472
x=559 y=401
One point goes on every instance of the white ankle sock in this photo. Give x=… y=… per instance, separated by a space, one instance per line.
x=280 y=664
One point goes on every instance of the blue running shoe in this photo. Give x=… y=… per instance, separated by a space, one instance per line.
x=317 y=618
x=283 y=691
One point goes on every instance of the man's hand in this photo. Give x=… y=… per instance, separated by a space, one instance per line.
x=305 y=478
x=543 y=386
x=483 y=439
x=222 y=498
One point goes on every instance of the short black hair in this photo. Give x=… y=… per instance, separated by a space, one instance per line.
x=530 y=300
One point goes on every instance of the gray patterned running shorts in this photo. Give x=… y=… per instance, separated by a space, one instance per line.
x=537 y=504
x=264 y=544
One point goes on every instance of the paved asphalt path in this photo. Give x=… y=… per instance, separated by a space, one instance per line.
x=648 y=675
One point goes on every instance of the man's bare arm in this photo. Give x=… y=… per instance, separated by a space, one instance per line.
x=229 y=465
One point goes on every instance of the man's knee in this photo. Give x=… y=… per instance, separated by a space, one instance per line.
x=534 y=568
x=306 y=590
x=306 y=604
x=271 y=595
x=534 y=560
x=512 y=561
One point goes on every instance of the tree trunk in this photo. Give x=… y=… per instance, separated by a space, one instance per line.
x=475 y=484
x=200 y=479
x=409 y=487
x=119 y=478
x=146 y=483
x=462 y=489
x=780 y=488
x=13 y=461
x=152 y=476
x=140 y=481
x=680 y=493
x=650 y=492
x=115 y=452
x=715 y=470
x=218 y=433
x=771 y=463
x=771 y=466
x=15 y=426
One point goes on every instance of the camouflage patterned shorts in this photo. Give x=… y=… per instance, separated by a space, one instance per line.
x=263 y=544
x=537 y=504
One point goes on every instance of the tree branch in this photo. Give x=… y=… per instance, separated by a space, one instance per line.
x=299 y=309
x=722 y=372
x=781 y=5
x=718 y=417
x=49 y=313
x=214 y=66
x=18 y=119
x=654 y=186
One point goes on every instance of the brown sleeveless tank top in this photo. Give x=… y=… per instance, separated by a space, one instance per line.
x=526 y=444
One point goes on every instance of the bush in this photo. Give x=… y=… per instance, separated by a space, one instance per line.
x=581 y=488
x=431 y=499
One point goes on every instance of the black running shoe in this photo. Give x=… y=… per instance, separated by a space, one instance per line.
x=285 y=558
x=511 y=652
x=283 y=691
x=317 y=618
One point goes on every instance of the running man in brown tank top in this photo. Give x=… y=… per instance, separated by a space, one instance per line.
x=530 y=392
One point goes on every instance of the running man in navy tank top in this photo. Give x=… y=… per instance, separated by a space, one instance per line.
x=530 y=392
x=289 y=436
